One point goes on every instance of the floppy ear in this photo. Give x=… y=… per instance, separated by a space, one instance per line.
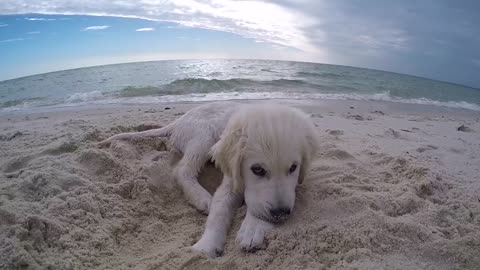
x=228 y=154
x=309 y=150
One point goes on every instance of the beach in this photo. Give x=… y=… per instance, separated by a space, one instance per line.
x=394 y=186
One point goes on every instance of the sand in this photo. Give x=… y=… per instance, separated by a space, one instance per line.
x=393 y=187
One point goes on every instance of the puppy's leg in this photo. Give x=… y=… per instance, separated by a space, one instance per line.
x=252 y=233
x=224 y=204
x=194 y=158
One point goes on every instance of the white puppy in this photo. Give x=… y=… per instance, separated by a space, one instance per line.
x=263 y=150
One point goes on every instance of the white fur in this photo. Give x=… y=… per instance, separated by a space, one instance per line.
x=239 y=138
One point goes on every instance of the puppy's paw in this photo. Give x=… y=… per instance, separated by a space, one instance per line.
x=251 y=235
x=202 y=202
x=208 y=247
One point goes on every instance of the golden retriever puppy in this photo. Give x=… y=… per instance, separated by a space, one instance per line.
x=264 y=151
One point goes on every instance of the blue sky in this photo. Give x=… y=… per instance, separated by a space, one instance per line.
x=434 y=39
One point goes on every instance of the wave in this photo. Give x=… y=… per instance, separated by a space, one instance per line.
x=318 y=74
x=10 y=103
x=132 y=91
x=268 y=70
x=215 y=74
x=235 y=95
x=200 y=85
x=197 y=90
x=79 y=97
x=19 y=103
x=385 y=96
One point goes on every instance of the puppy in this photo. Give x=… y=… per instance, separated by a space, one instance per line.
x=264 y=150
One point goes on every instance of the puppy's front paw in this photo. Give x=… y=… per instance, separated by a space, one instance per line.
x=208 y=247
x=252 y=232
x=202 y=201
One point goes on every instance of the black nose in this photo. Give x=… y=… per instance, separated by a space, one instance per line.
x=279 y=212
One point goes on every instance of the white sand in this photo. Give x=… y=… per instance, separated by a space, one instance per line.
x=396 y=189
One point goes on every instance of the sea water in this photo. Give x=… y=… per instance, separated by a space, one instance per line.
x=205 y=80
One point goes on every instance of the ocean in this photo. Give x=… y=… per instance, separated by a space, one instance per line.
x=206 y=80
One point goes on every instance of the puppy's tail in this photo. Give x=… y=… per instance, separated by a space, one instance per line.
x=165 y=131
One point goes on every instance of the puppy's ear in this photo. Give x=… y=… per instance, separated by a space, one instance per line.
x=228 y=154
x=310 y=149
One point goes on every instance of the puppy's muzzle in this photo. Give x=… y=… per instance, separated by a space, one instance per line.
x=279 y=215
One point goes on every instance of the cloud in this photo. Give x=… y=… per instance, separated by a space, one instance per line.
x=188 y=38
x=33 y=33
x=278 y=47
x=95 y=28
x=147 y=29
x=3 y=25
x=394 y=40
x=11 y=40
x=280 y=25
x=40 y=19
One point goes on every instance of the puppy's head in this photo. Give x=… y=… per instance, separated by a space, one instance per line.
x=266 y=149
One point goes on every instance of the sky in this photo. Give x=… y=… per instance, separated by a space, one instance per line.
x=437 y=39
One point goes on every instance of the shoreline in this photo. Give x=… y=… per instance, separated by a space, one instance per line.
x=328 y=103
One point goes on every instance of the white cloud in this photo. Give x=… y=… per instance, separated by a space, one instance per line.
x=11 y=40
x=33 y=33
x=147 y=29
x=96 y=27
x=259 y=20
x=3 y=25
x=278 y=47
x=188 y=38
x=39 y=19
x=397 y=40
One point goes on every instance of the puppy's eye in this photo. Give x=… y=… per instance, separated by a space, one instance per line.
x=292 y=168
x=258 y=170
